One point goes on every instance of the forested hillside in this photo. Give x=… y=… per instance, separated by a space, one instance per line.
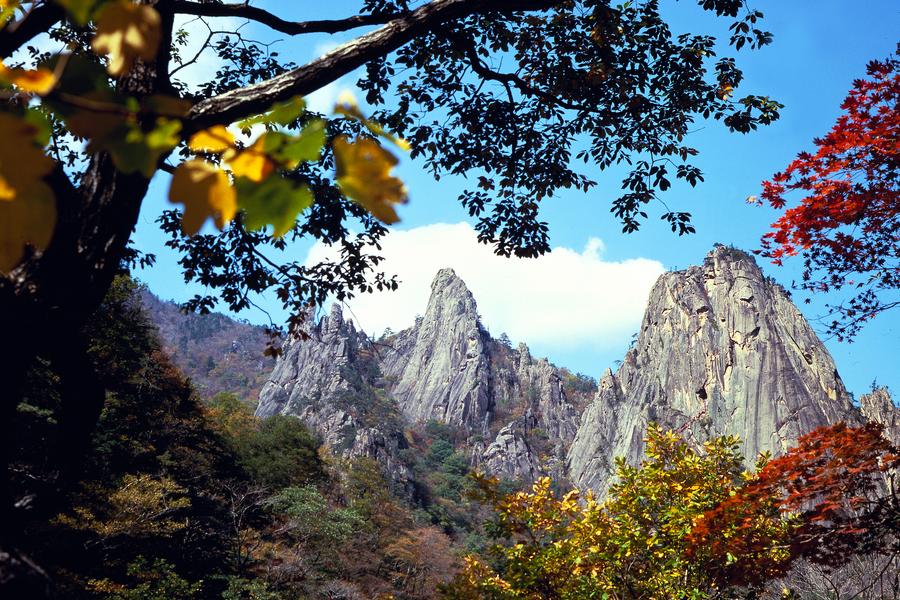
x=181 y=498
x=218 y=353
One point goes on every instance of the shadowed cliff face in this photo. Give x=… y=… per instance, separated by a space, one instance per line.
x=721 y=350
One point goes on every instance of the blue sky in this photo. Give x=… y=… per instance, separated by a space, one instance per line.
x=819 y=48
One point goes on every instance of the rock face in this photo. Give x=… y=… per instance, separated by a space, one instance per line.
x=329 y=381
x=513 y=410
x=444 y=374
x=319 y=367
x=878 y=407
x=721 y=350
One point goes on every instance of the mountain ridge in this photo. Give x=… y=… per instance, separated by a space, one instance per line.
x=722 y=349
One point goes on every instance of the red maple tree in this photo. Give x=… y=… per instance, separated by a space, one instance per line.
x=847 y=227
x=833 y=485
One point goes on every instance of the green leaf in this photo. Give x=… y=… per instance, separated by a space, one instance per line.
x=287 y=112
x=38 y=119
x=275 y=201
x=284 y=113
x=140 y=151
x=290 y=150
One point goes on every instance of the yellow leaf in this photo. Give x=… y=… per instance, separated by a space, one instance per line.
x=363 y=170
x=215 y=139
x=126 y=31
x=39 y=81
x=252 y=163
x=205 y=191
x=8 y=10
x=22 y=163
x=724 y=91
x=27 y=206
x=27 y=220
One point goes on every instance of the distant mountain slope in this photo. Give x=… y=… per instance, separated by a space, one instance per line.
x=217 y=352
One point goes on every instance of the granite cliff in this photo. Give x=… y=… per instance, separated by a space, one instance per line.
x=517 y=414
x=878 y=406
x=721 y=350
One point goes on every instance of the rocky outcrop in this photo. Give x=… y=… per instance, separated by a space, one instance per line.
x=329 y=381
x=512 y=408
x=878 y=407
x=314 y=368
x=443 y=372
x=721 y=350
x=448 y=368
x=510 y=455
x=541 y=385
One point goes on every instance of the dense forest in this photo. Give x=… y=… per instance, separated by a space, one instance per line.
x=188 y=499
x=185 y=495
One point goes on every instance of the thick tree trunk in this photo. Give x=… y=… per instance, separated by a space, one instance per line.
x=83 y=396
x=20 y=577
x=44 y=306
x=43 y=310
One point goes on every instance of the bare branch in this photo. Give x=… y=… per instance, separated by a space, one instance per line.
x=245 y=11
x=36 y=21
x=257 y=98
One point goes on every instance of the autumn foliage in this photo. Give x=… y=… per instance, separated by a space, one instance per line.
x=846 y=225
x=227 y=174
x=829 y=489
x=692 y=523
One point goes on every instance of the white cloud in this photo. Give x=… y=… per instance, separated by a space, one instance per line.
x=566 y=299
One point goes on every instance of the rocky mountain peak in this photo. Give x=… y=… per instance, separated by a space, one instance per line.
x=879 y=407
x=446 y=277
x=450 y=298
x=443 y=370
x=318 y=367
x=721 y=350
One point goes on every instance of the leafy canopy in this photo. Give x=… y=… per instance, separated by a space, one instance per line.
x=229 y=174
x=524 y=98
x=691 y=522
x=847 y=225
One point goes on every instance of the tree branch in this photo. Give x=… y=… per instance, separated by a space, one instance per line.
x=38 y=20
x=253 y=13
x=482 y=70
x=254 y=99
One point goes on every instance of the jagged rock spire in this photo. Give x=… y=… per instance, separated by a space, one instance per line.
x=721 y=350
x=878 y=406
x=444 y=373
